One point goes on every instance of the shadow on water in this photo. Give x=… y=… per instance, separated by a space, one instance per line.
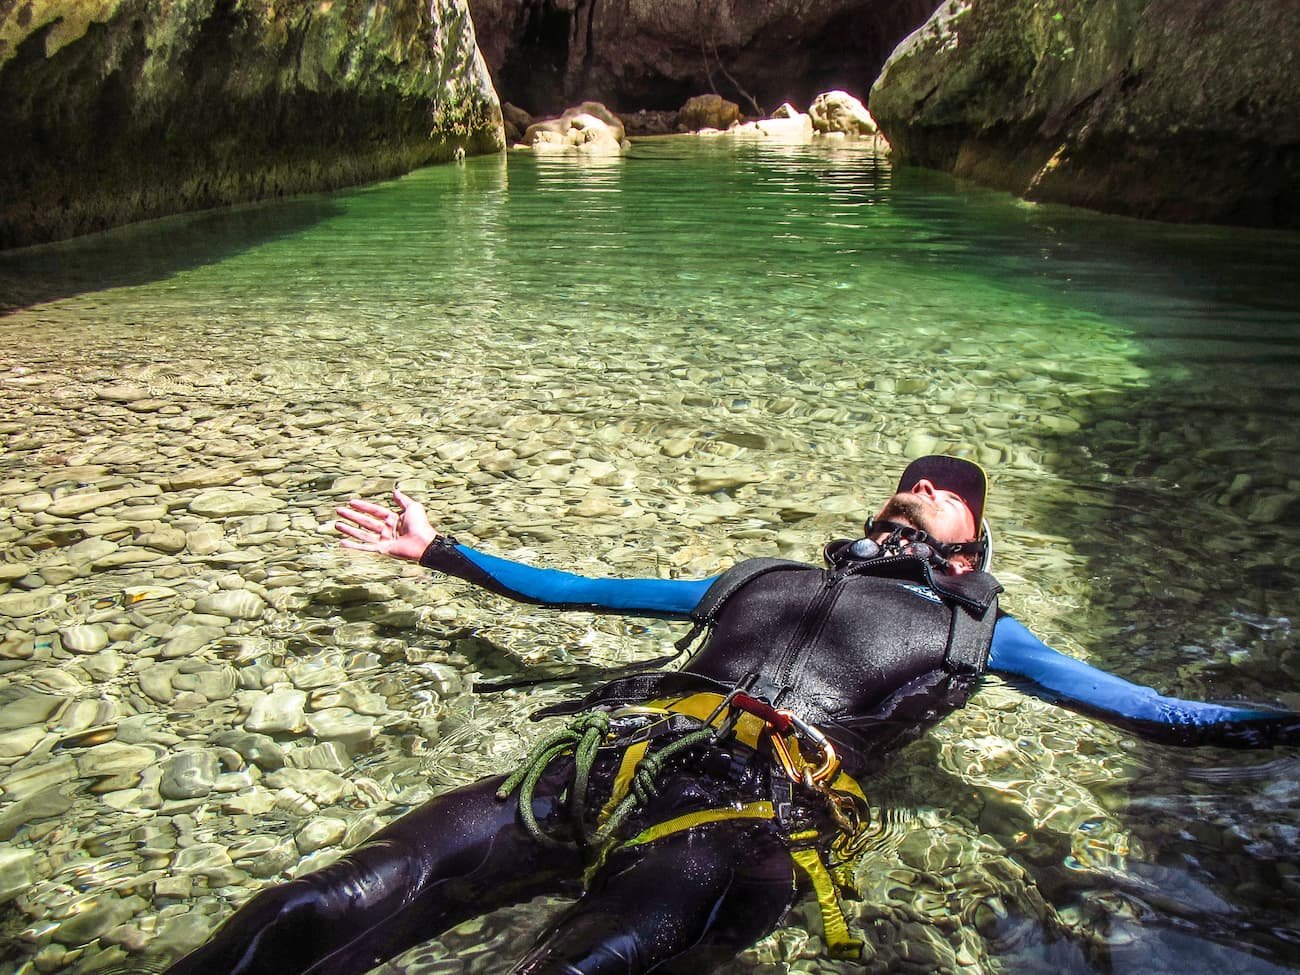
x=1190 y=535
x=150 y=251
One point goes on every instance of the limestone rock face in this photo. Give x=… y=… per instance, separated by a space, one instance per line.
x=120 y=110
x=654 y=54
x=1185 y=110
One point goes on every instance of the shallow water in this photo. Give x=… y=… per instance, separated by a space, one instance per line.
x=653 y=365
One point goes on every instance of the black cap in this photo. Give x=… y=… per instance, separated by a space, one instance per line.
x=962 y=477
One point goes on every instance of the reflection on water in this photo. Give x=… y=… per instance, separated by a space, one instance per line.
x=646 y=365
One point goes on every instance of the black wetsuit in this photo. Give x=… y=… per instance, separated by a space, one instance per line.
x=872 y=654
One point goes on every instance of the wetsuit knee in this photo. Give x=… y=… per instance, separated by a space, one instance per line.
x=270 y=934
x=589 y=945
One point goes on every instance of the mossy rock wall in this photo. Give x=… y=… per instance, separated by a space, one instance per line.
x=1183 y=110
x=121 y=110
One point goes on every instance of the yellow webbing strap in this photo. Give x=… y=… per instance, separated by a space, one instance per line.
x=751 y=810
x=834 y=928
x=749 y=729
x=847 y=783
x=623 y=780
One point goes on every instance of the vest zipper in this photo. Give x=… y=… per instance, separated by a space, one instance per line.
x=814 y=617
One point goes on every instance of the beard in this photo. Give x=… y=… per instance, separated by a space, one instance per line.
x=907 y=509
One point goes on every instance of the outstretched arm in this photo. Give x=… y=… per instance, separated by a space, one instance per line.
x=1017 y=653
x=407 y=534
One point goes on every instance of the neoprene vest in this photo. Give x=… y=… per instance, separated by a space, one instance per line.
x=874 y=652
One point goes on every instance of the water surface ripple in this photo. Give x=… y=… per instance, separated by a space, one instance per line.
x=651 y=365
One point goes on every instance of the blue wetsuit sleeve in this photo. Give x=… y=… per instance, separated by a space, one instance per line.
x=1017 y=653
x=673 y=598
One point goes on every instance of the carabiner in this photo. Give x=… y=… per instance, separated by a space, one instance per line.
x=806 y=776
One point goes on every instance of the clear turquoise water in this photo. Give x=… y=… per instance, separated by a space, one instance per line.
x=808 y=317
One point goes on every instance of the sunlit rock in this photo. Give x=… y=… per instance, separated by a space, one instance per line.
x=790 y=126
x=838 y=111
x=589 y=128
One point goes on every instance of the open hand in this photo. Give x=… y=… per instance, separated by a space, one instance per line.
x=370 y=527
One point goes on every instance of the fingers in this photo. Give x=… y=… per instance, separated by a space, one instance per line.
x=364 y=535
x=370 y=508
x=386 y=519
x=370 y=527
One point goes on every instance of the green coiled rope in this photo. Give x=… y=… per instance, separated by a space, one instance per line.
x=583 y=736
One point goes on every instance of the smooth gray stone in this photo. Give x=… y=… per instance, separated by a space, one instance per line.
x=17 y=872
x=235 y=604
x=49 y=804
x=189 y=774
x=329 y=755
x=33 y=603
x=201 y=857
x=226 y=504
x=187 y=638
x=21 y=710
x=20 y=741
x=260 y=750
x=100 y=913
x=116 y=758
x=86 y=638
x=27 y=782
x=321 y=785
x=277 y=711
x=320 y=833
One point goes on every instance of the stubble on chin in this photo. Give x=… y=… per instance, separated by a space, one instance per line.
x=906 y=509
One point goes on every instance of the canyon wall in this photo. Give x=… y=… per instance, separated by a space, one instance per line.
x=121 y=110
x=1182 y=110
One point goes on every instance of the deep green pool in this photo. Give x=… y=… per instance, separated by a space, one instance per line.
x=650 y=365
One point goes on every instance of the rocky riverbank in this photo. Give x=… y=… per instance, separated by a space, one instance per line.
x=1181 y=111
x=122 y=111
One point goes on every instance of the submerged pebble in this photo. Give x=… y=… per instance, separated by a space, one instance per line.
x=200 y=691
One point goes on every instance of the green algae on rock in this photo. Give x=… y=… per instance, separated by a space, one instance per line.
x=1181 y=111
x=123 y=110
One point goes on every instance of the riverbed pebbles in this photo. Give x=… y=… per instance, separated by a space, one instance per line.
x=199 y=686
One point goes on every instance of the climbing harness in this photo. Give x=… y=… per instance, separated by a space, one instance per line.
x=712 y=718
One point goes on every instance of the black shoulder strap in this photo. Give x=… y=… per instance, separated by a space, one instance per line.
x=970 y=637
x=727 y=585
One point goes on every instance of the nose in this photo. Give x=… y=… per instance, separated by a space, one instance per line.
x=923 y=486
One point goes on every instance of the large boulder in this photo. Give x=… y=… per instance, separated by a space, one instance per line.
x=708 y=112
x=1172 y=109
x=590 y=128
x=119 y=110
x=838 y=111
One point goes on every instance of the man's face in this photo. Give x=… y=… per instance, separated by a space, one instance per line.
x=943 y=515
